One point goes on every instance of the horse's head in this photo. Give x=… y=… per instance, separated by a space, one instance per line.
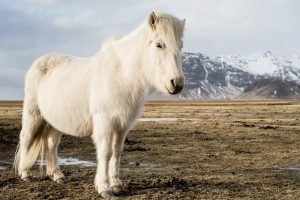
x=163 y=52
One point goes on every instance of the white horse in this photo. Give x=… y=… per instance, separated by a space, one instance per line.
x=99 y=96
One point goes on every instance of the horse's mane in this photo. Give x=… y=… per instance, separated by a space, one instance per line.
x=171 y=26
x=110 y=39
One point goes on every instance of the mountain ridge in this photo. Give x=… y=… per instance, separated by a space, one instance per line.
x=226 y=77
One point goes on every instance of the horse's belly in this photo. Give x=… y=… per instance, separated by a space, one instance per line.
x=68 y=120
x=66 y=111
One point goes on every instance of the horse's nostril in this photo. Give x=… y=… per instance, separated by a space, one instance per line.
x=173 y=82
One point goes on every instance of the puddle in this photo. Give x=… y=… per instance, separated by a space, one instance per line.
x=72 y=161
x=295 y=169
x=157 y=119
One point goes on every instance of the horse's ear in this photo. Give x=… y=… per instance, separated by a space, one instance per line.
x=152 y=19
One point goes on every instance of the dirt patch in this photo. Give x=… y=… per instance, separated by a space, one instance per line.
x=269 y=127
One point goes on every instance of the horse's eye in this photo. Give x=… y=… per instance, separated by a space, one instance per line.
x=158 y=45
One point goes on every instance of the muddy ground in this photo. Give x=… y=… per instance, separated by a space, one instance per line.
x=216 y=150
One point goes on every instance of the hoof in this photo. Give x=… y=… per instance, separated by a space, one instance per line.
x=27 y=178
x=61 y=180
x=107 y=194
x=118 y=189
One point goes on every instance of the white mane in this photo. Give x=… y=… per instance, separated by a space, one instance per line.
x=107 y=41
x=172 y=27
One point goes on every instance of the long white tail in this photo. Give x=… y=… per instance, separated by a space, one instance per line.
x=37 y=147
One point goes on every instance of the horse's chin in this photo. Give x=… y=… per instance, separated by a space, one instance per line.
x=163 y=91
x=173 y=93
x=170 y=92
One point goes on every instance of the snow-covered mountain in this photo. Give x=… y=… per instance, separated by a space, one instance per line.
x=227 y=76
x=286 y=67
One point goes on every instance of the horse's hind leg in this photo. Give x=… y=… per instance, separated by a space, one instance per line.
x=53 y=170
x=32 y=127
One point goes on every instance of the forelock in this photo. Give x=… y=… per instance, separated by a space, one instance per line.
x=172 y=27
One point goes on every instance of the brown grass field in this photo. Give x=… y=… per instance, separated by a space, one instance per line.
x=214 y=150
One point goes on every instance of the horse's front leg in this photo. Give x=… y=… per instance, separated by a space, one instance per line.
x=102 y=136
x=114 y=165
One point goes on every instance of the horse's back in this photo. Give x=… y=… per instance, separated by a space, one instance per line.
x=51 y=61
x=44 y=65
x=40 y=68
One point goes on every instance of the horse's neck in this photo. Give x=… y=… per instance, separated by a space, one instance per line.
x=121 y=63
x=128 y=53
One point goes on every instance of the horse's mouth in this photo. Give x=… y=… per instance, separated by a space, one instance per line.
x=175 y=90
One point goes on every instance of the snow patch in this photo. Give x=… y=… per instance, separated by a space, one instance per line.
x=71 y=161
x=75 y=161
x=155 y=119
x=145 y=165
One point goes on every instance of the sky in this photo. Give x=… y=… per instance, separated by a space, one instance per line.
x=31 y=28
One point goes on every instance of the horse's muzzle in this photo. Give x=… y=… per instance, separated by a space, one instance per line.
x=177 y=85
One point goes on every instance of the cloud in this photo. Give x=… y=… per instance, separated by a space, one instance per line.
x=30 y=28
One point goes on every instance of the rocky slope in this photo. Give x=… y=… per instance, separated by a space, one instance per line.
x=272 y=89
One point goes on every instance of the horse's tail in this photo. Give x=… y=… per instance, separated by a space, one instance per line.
x=37 y=147
x=38 y=141
x=17 y=159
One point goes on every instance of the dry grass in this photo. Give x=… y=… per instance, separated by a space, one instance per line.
x=218 y=150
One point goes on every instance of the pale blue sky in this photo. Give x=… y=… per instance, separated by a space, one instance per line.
x=30 y=28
